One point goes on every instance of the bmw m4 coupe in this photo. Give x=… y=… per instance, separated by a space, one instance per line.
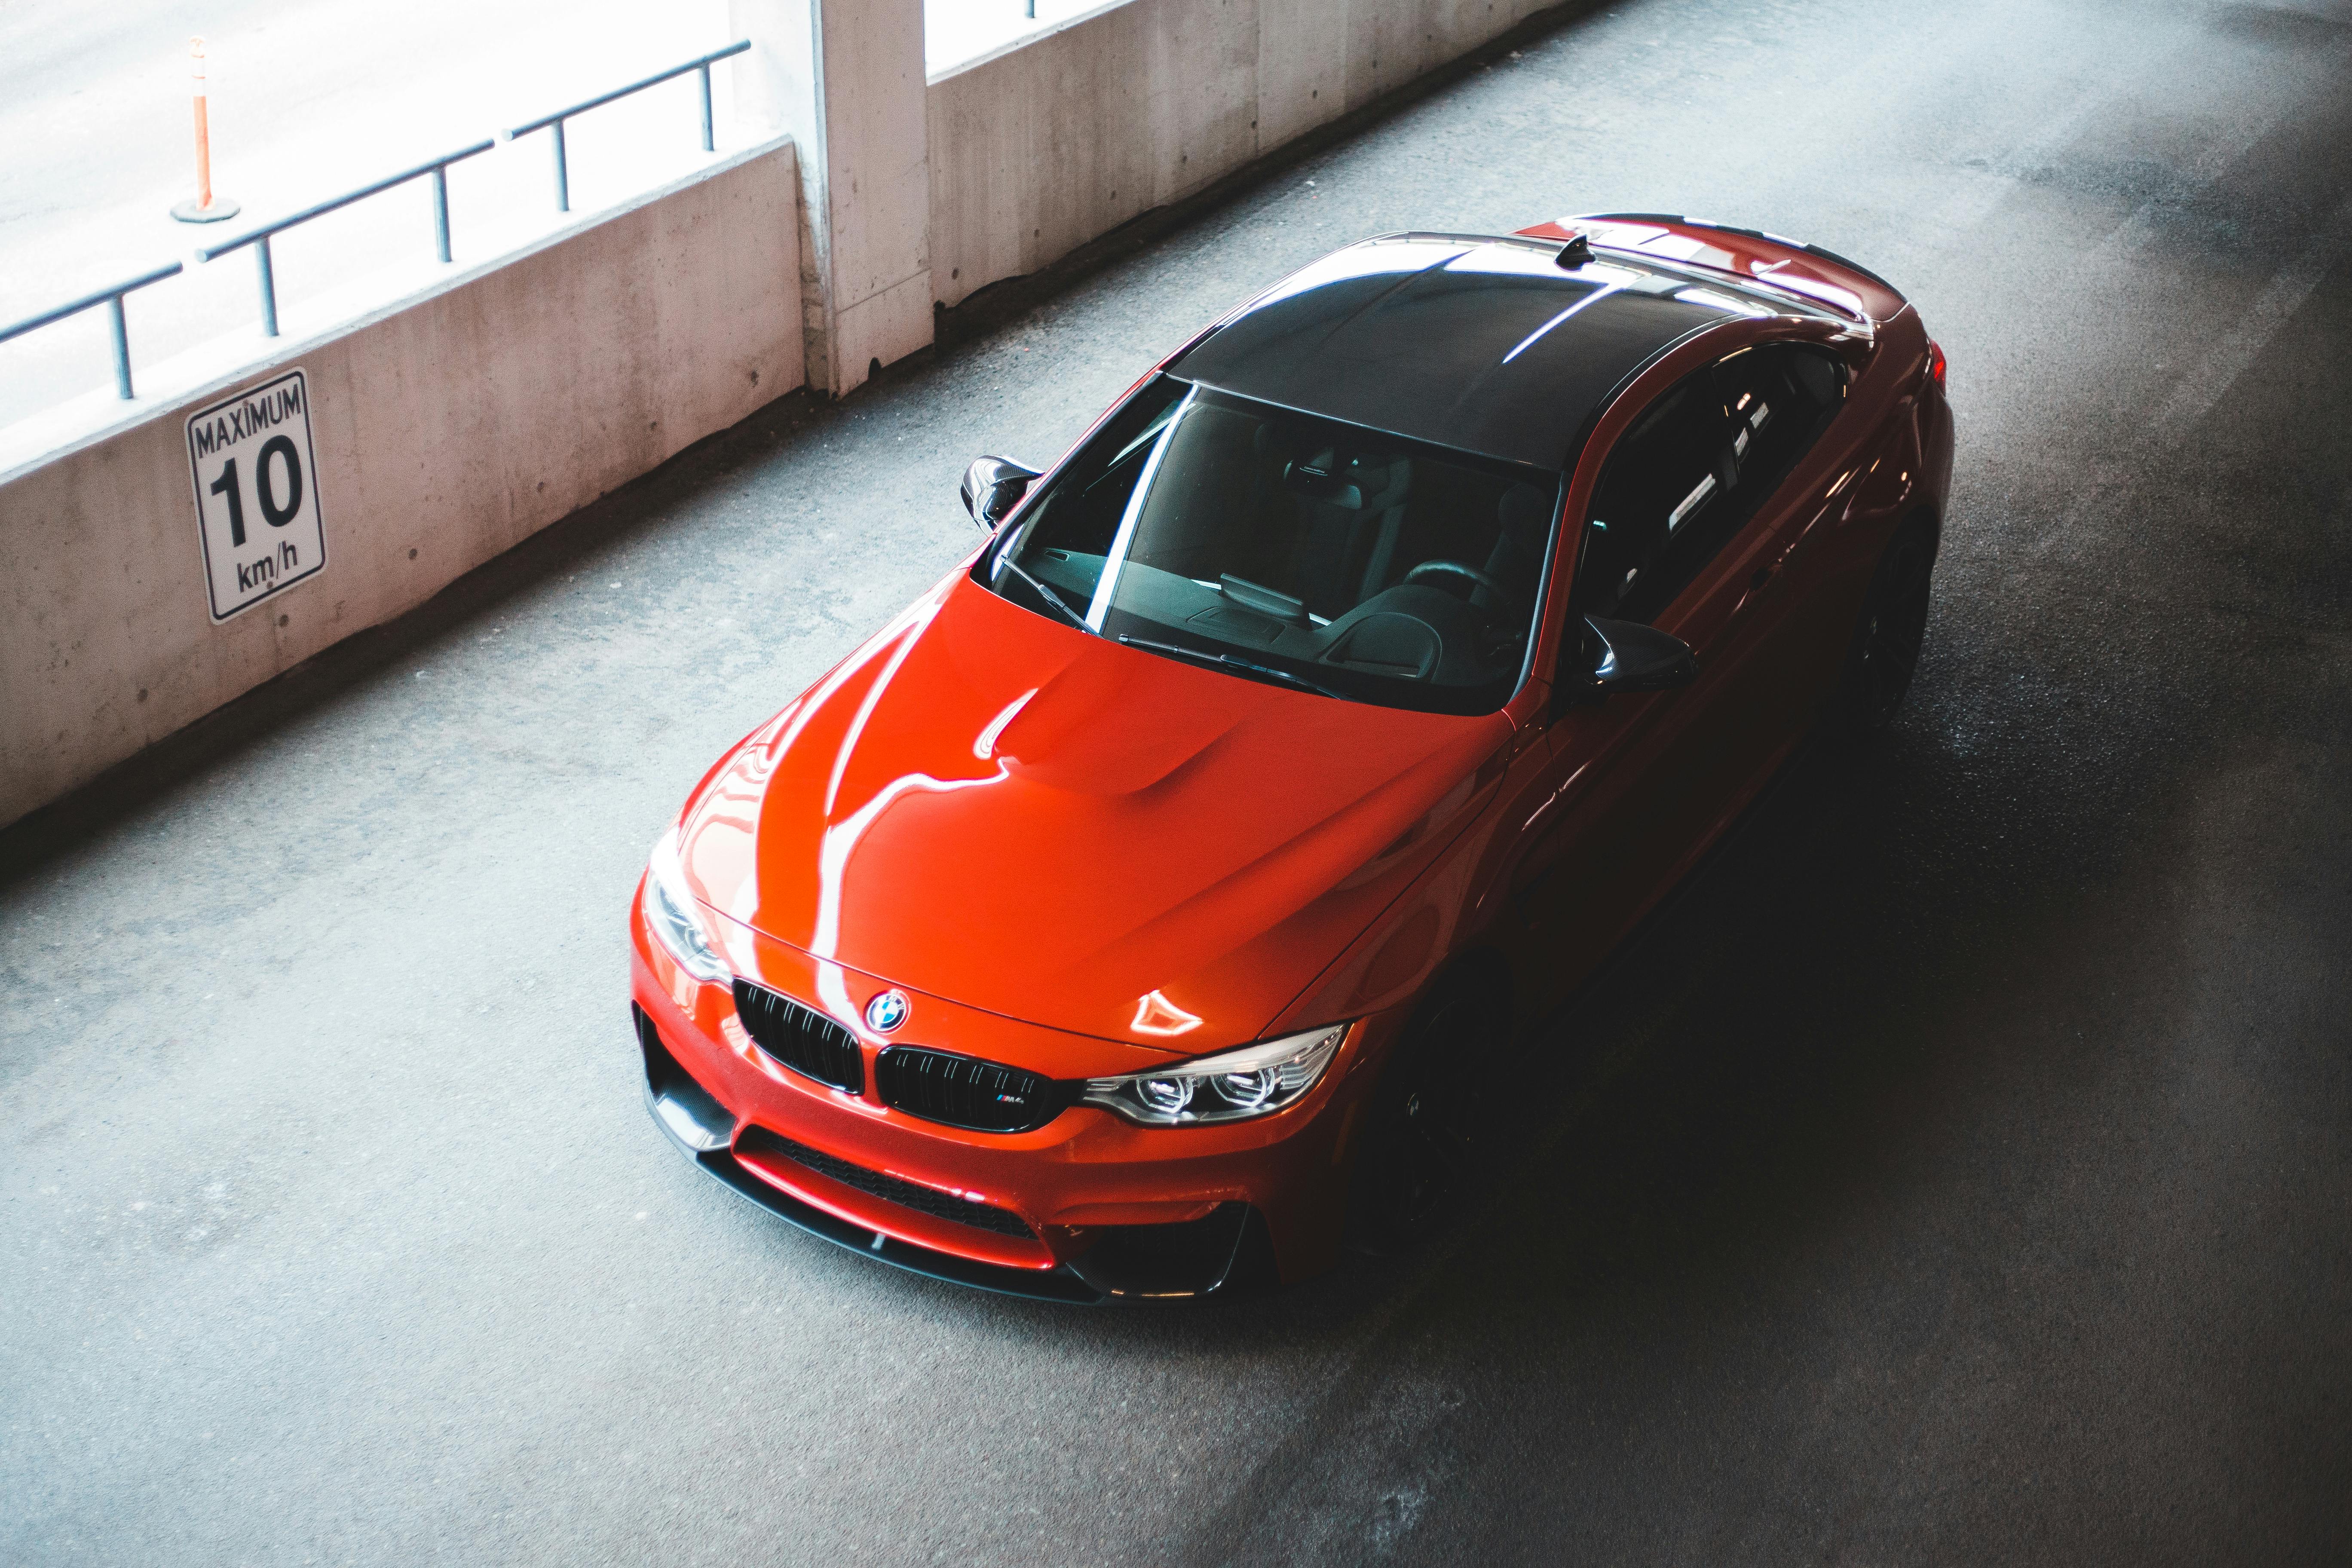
x=1135 y=914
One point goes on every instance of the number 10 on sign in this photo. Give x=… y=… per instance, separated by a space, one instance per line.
x=257 y=493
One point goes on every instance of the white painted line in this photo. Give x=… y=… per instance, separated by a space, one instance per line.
x=2213 y=376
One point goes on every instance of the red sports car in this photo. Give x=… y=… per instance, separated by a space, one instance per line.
x=1137 y=913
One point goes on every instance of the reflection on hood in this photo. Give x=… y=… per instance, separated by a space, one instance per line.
x=988 y=807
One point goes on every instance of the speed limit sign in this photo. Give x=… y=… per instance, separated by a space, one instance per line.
x=257 y=493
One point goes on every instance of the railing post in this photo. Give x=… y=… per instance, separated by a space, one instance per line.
x=121 y=347
x=554 y=123
x=113 y=299
x=441 y=210
x=268 y=289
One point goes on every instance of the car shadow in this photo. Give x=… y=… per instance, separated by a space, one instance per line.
x=1763 y=1018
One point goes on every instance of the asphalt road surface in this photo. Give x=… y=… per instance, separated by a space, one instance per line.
x=1958 y=1171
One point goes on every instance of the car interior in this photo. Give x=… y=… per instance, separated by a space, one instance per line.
x=1237 y=528
x=1694 y=467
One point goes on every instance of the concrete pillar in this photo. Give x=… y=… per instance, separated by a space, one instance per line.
x=845 y=80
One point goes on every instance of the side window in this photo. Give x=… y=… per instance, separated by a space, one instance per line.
x=1663 y=476
x=1687 y=475
x=1779 y=399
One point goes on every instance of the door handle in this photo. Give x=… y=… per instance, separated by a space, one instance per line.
x=1758 y=582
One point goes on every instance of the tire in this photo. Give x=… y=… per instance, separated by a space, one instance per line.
x=1884 y=652
x=1416 y=1159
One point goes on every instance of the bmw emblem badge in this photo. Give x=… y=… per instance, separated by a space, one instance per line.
x=887 y=1012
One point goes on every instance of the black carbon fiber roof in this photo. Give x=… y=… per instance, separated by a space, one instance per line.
x=1480 y=344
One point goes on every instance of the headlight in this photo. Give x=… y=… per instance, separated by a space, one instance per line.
x=1256 y=1080
x=669 y=910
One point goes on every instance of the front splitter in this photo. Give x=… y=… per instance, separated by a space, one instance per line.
x=691 y=1117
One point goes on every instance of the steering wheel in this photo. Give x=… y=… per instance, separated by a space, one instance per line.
x=1435 y=568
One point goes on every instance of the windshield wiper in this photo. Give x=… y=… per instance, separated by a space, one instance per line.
x=1202 y=656
x=1048 y=594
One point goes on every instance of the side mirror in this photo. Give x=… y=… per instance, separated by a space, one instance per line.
x=1625 y=656
x=992 y=488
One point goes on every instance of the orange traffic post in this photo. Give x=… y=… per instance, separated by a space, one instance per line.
x=203 y=209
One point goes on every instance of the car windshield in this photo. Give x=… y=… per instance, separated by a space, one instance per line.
x=1278 y=546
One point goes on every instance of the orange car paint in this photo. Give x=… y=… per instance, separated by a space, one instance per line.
x=1087 y=859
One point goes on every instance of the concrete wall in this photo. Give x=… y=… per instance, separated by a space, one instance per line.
x=1053 y=142
x=878 y=185
x=845 y=80
x=447 y=429
x=453 y=424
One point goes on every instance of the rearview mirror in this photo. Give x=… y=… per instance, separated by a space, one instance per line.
x=1625 y=656
x=993 y=487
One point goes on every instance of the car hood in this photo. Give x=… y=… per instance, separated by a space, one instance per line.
x=992 y=807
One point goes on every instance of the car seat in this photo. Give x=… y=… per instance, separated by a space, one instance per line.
x=1523 y=518
x=1352 y=510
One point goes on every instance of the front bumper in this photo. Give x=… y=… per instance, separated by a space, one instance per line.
x=1090 y=1208
x=1211 y=1254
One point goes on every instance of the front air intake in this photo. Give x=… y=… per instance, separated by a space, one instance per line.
x=807 y=1042
x=758 y=1142
x=964 y=1092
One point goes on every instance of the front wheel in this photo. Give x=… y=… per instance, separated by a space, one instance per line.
x=1415 y=1162
x=1884 y=652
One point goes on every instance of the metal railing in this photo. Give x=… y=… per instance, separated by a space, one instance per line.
x=260 y=238
x=439 y=168
x=112 y=297
x=701 y=64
